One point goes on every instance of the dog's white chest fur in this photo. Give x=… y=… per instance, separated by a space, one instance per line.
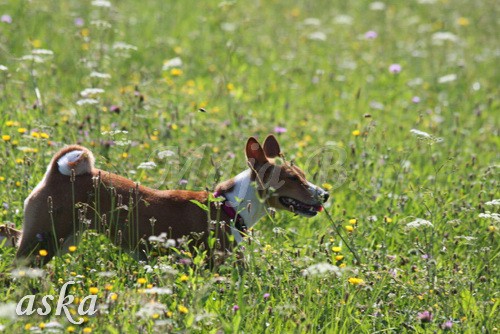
x=244 y=199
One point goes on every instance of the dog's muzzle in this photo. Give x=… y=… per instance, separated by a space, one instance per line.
x=318 y=193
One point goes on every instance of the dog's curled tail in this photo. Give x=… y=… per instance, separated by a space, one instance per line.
x=73 y=158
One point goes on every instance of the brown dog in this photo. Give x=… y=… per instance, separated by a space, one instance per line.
x=74 y=196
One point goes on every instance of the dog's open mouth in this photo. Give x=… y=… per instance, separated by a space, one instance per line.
x=299 y=207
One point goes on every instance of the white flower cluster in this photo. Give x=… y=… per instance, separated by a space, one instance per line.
x=488 y=215
x=151 y=308
x=418 y=223
x=495 y=202
x=147 y=165
x=172 y=63
x=425 y=136
x=322 y=269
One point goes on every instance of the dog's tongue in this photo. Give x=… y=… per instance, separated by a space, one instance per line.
x=319 y=208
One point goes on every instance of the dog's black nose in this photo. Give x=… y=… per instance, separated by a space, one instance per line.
x=326 y=196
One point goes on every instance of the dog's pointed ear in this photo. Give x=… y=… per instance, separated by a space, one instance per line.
x=271 y=147
x=255 y=153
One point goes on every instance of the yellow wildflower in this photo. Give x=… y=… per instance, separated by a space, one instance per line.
x=336 y=249
x=184 y=278
x=349 y=228
x=72 y=248
x=43 y=252
x=356 y=133
x=176 y=72
x=141 y=280
x=463 y=21
x=327 y=186
x=93 y=290
x=356 y=281
x=295 y=12
x=353 y=221
x=183 y=309
x=36 y=43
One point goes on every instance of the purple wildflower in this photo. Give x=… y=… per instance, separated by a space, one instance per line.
x=236 y=308
x=447 y=325
x=395 y=68
x=183 y=182
x=79 y=22
x=415 y=99
x=6 y=18
x=371 y=34
x=114 y=108
x=425 y=316
x=279 y=129
x=266 y=296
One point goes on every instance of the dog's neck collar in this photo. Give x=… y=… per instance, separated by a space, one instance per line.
x=239 y=223
x=243 y=202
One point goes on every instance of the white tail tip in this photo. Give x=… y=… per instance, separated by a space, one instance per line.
x=79 y=161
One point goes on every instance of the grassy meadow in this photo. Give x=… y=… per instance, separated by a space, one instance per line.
x=392 y=106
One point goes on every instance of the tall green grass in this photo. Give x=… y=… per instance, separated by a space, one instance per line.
x=312 y=68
